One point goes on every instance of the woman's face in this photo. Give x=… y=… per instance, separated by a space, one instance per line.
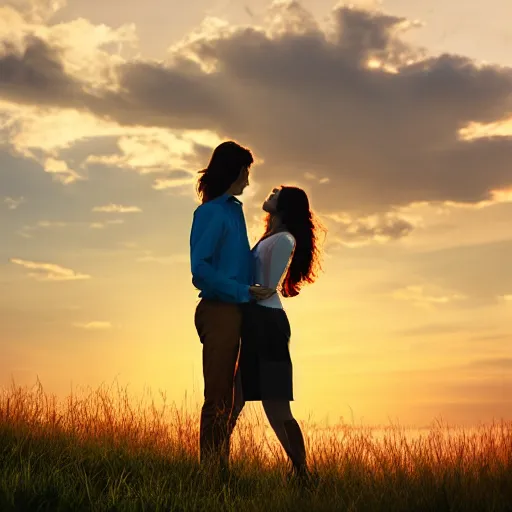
x=270 y=204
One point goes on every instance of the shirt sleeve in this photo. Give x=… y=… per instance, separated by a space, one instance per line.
x=279 y=255
x=208 y=228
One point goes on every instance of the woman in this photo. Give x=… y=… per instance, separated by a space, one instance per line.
x=286 y=257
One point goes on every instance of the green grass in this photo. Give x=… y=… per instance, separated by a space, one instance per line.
x=101 y=452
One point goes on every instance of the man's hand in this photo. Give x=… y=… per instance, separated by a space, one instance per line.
x=261 y=292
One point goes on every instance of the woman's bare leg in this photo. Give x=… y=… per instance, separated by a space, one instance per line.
x=288 y=432
x=279 y=411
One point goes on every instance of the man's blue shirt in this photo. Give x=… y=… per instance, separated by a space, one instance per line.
x=220 y=255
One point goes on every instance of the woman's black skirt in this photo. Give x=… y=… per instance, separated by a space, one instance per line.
x=265 y=363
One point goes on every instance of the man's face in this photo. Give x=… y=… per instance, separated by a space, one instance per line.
x=241 y=182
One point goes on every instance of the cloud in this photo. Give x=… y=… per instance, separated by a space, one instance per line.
x=81 y=137
x=61 y=171
x=501 y=196
x=480 y=130
x=356 y=232
x=149 y=151
x=49 y=271
x=94 y=326
x=12 y=203
x=47 y=67
x=30 y=131
x=313 y=177
x=35 y=11
x=103 y=225
x=117 y=208
x=421 y=298
x=376 y=121
x=35 y=74
x=166 y=183
x=25 y=232
x=90 y=53
x=172 y=259
x=28 y=231
x=87 y=54
x=52 y=224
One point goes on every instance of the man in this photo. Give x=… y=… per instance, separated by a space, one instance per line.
x=222 y=269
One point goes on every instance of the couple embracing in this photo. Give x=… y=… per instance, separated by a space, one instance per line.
x=240 y=319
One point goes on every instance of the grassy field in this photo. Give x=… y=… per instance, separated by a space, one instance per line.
x=106 y=451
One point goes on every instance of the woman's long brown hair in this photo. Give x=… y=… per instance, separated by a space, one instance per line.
x=298 y=218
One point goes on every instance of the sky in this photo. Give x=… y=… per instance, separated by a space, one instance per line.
x=396 y=118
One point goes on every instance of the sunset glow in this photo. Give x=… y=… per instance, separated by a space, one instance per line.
x=401 y=136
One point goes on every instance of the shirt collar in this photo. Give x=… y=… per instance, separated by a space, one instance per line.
x=224 y=198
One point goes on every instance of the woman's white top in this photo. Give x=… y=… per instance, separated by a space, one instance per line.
x=273 y=256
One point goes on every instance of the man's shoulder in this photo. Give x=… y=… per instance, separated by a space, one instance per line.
x=209 y=208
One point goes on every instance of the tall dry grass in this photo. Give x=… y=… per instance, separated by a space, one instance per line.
x=107 y=450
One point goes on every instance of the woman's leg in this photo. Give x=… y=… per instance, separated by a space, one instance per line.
x=278 y=411
x=288 y=432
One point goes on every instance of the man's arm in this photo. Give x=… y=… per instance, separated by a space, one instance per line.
x=207 y=231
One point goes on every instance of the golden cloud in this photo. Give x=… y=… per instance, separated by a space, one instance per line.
x=49 y=271
x=365 y=88
x=420 y=297
x=117 y=208
x=12 y=203
x=94 y=326
x=164 y=260
x=61 y=171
